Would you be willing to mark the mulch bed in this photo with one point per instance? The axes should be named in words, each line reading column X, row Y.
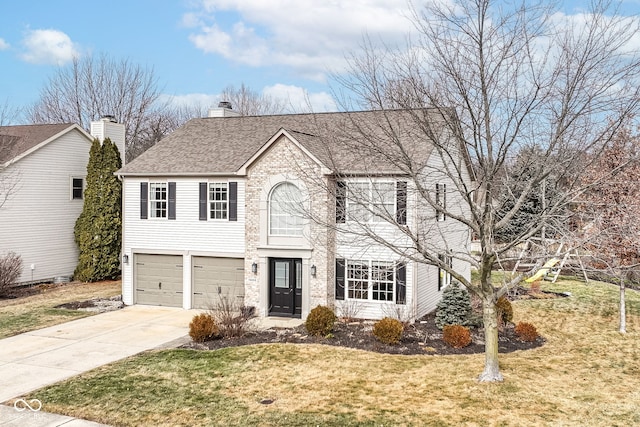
column 29, row 290
column 423, row 337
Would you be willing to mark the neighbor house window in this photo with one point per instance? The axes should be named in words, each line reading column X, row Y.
column 285, row 210
column 218, row 200
column 441, row 201
column 444, row 277
column 158, row 199
column 77, row 188
column 371, row 201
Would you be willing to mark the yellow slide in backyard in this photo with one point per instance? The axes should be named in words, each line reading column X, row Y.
column 543, row 271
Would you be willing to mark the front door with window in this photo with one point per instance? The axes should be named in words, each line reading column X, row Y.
column 285, row 287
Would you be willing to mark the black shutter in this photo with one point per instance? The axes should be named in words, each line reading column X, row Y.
column 203, row 201
column 233, row 201
column 340, row 281
column 341, row 202
column 172, row 200
column 401, row 283
column 441, row 273
column 401, row 202
column 144, row 200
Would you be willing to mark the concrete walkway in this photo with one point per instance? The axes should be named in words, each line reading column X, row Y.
column 43, row 357
column 39, row 358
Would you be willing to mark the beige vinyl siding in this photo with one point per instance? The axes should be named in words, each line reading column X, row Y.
column 186, row 234
column 38, row 221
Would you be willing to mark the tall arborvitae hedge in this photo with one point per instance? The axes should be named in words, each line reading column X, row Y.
column 98, row 230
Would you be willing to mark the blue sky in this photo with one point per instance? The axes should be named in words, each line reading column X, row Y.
column 285, row 48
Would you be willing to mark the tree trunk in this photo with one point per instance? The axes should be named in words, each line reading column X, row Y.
column 491, row 371
column 623, row 308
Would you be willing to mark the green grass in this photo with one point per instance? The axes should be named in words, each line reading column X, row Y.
column 38, row 311
column 586, row 374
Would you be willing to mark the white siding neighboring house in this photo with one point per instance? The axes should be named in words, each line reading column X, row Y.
column 47, row 166
column 210, row 211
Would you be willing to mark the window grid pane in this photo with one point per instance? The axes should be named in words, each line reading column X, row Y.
column 76, row 188
column 285, row 211
column 158, row 199
column 358, row 280
column 218, row 200
column 384, row 201
column 382, row 278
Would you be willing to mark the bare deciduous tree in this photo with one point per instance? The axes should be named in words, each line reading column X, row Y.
column 248, row 102
column 498, row 78
column 8, row 179
column 610, row 213
column 91, row 88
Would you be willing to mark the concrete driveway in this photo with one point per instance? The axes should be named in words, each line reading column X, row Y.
column 35, row 359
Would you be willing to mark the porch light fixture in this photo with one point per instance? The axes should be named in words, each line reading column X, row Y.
column 125, row 259
column 254, row 268
column 313, row 270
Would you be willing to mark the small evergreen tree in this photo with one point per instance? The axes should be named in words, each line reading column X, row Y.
column 98, row 230
column 455, row 306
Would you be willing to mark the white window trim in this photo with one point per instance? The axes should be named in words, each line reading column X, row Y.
column 442, row 195
column 370, row 282
column 444, row 277
column 84, row 185
column 269, row 212
column 370, row 207
column 151, row 201
column 210, row 200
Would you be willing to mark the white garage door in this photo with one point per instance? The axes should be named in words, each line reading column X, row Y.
column 217, row 277
column 158, row 280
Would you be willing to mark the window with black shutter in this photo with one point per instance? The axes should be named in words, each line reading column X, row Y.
column 340, row 279
column 401, row 202
column 144, row 200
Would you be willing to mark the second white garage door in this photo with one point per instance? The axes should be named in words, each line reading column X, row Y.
column 214, row 278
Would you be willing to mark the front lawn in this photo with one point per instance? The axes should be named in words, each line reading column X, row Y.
column 585, row 374
column 37, row 311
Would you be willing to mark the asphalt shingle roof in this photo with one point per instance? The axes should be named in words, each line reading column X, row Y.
column 222, row 145
column 15, row 140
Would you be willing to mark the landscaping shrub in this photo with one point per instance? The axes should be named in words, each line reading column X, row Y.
column 457, row 336
column 203, row 327
column 455, row 306
column 505, row 310
column 233, row 319
column 320, row 321
column 10, row 269
column 526, row 332
column 388, row 330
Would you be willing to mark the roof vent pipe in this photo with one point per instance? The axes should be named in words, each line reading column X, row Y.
column 109, row 117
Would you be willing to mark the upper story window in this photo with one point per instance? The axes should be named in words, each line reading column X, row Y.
column 285, row 210
column 218, row 200
column 383, row 201
column 77, row 188
column 158, row 199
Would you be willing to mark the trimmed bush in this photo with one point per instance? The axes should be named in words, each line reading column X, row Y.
column 388, row 330
column 457, row 336
column 320, row 321
column 526, row 332
column 455, row 306
column 203, row 327
column 505, row 310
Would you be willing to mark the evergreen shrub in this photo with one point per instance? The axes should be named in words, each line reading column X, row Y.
column 455, row 306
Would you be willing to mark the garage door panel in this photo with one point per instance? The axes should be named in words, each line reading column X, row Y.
column 158, row 280
column 217, row 277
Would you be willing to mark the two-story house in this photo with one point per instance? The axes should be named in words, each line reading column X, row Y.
column 268, row 210
column 42, row 180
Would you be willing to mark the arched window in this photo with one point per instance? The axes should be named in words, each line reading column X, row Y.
column 285, row 210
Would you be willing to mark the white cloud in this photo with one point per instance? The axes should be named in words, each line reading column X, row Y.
column 297, row 99
column 300, row 100
column 3, row 44
column 48, row 47
column 309, row 36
